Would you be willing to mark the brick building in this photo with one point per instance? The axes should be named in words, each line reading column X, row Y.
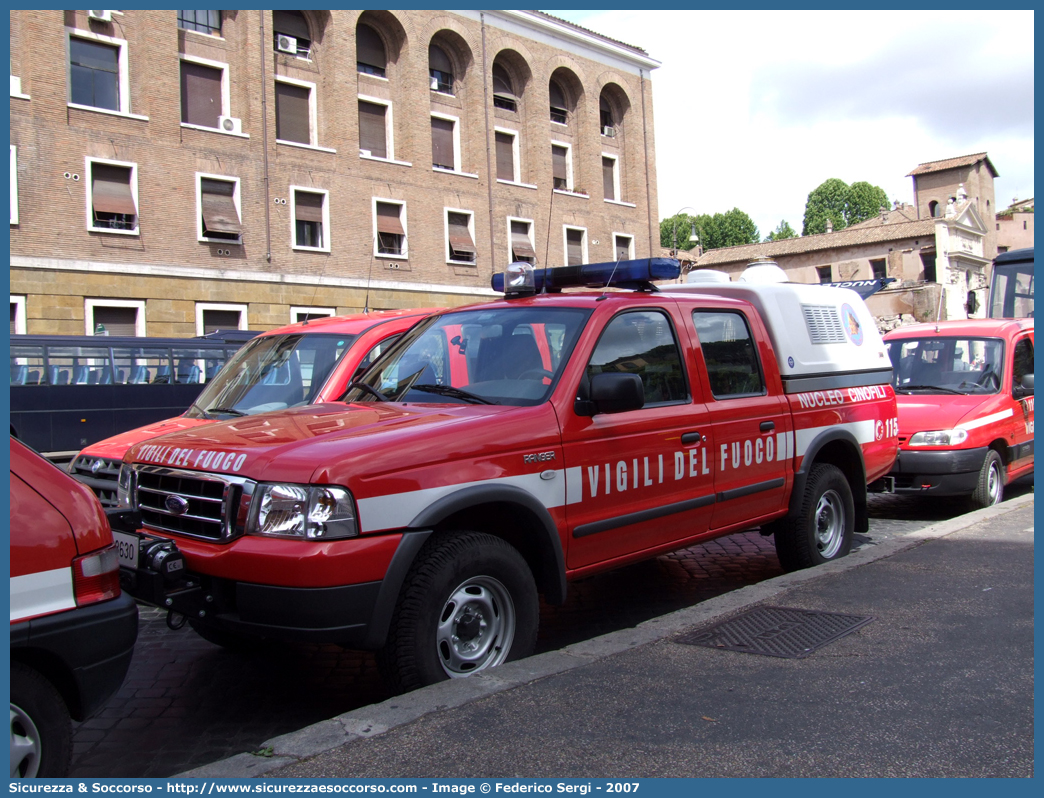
column 177, row 171
column 1015, row 225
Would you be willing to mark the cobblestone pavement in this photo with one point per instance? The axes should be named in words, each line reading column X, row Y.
column 187, row 702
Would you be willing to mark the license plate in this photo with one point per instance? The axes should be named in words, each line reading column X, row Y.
column 126, row 548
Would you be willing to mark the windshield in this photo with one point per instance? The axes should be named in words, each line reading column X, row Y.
column 1011, row 296
column 270, row 373
column 507, row 356
column 946, row 365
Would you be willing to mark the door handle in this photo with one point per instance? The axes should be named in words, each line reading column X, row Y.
column 768, row 426
column 691, row 437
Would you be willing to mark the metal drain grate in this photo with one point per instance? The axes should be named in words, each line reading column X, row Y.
column 777, row 631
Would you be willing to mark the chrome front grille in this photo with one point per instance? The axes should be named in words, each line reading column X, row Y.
column 194, row 504
column 100, row 474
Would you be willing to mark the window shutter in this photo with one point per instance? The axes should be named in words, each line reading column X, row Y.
column 574, row 247
column 608, row 181
column 369, row 47
column 308, row 207
column 623, row 248
column 110, row 189
column 388, row 219
column 214, row 320
column 200, row 94
column 292, row 23
column 459, row 234
column 442, row 143
column 502, row 82
column 505, row 156
column 555, row 95
column 292, row 113
column 520, row 243
column 117, row 321
column 219, row 207
column 558, row 166
column 372, row 131
column 437, row 59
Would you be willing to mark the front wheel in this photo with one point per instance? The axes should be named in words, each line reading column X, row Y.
column 990, row 488
column 468, row 603
column 41, row 731
column 822, row 526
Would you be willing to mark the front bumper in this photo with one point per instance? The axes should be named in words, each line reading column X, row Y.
column 950, row 472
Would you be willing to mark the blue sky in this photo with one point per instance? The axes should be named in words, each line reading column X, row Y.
column 754, row 109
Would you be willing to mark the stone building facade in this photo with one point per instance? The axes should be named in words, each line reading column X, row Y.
column 1015, row 226
column 173, row 172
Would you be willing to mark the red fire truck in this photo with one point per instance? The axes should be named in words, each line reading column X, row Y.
column 499, row 451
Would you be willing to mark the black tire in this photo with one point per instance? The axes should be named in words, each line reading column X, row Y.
column 41, row 730
column 464, row 590
column 990, row 488
column 243, row 644
column 819, row 528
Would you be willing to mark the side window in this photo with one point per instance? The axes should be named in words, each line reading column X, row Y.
column 379, row 349
column 1023, row 361
column 730, row 354
column 642, row 342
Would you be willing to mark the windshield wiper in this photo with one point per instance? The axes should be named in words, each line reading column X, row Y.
column 365, row 388
column 456, row 393
column 904, row 388
column 229, row 410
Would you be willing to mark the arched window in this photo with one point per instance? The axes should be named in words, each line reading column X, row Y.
column 605, row 117
column 557, row 97
column 503, row 90
column 933, row 209
column 370, row 56
column 291, row 33
column 440, row 70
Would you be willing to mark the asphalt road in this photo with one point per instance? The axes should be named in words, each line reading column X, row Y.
column 186, row 702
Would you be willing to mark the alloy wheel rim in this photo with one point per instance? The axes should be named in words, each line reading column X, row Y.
column 26, row 746
column 476, row 627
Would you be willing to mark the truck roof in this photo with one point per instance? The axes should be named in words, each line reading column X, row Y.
column 990, row 328
column 354, row 323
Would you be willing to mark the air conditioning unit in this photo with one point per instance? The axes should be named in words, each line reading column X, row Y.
column 230, row 124
column 609, row 131
column 286, row 44
column 101, row 16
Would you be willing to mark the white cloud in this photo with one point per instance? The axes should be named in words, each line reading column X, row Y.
column 754, row 109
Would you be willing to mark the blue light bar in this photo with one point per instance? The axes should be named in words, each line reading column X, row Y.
column 638, row 273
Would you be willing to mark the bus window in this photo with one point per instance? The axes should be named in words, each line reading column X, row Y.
column 86, row 365
column 1011, row 289
column 28, row 366
column 140, row 366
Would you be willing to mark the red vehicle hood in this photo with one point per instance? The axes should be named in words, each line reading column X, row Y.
column 308, row 444
column 115, row 447
column 923, row 412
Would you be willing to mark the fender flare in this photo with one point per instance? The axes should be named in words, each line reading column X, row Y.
column 809, row 457
column 420, row 528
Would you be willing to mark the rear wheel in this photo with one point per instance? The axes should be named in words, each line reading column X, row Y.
column 990, row 489
column 468, row 603
column 41, row 731
column 822, row 526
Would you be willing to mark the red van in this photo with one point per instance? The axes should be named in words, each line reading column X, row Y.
column 72, row 629
column 965, row 396
column 304, row 363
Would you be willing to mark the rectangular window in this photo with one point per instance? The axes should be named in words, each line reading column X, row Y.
column 218, row 205
column 113, row 196
column 460, row 240
column 211, row 317
column 642, row 342
column 290, row 33
column 824, row 273
column 373, row 129
column 623, row 247
column 94, row 73
column 294, row 112
column 560, row 167
column 201, row 21
column 730, row 354
column 443, row 149
column 391, row 229
column 878, row 268
column 311, row 219
column 201, row 94
column 17, row 315
column 521, row 242
column 14, row 184
column 506, row 163
column 575, row 246
column 297, row 315
column 928, row 262
column 114, row 317
column 609, row 178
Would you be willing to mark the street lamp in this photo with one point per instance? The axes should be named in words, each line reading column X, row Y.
column 693, row 238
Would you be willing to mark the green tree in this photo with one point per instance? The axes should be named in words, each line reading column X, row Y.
column 842, row 204
column 728, row 229
column 683, row 223
column 784, row 230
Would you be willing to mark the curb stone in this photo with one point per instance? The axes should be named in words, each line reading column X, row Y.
column 375, row 719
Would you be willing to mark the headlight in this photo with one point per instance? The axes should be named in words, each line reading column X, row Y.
column 309, row 512
column 945, row 437
column 125, row 488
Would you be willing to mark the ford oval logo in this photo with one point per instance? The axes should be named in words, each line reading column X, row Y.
column 176, row 505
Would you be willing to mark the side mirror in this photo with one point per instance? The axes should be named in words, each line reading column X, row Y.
column 1026, row 388
column 615, row 392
